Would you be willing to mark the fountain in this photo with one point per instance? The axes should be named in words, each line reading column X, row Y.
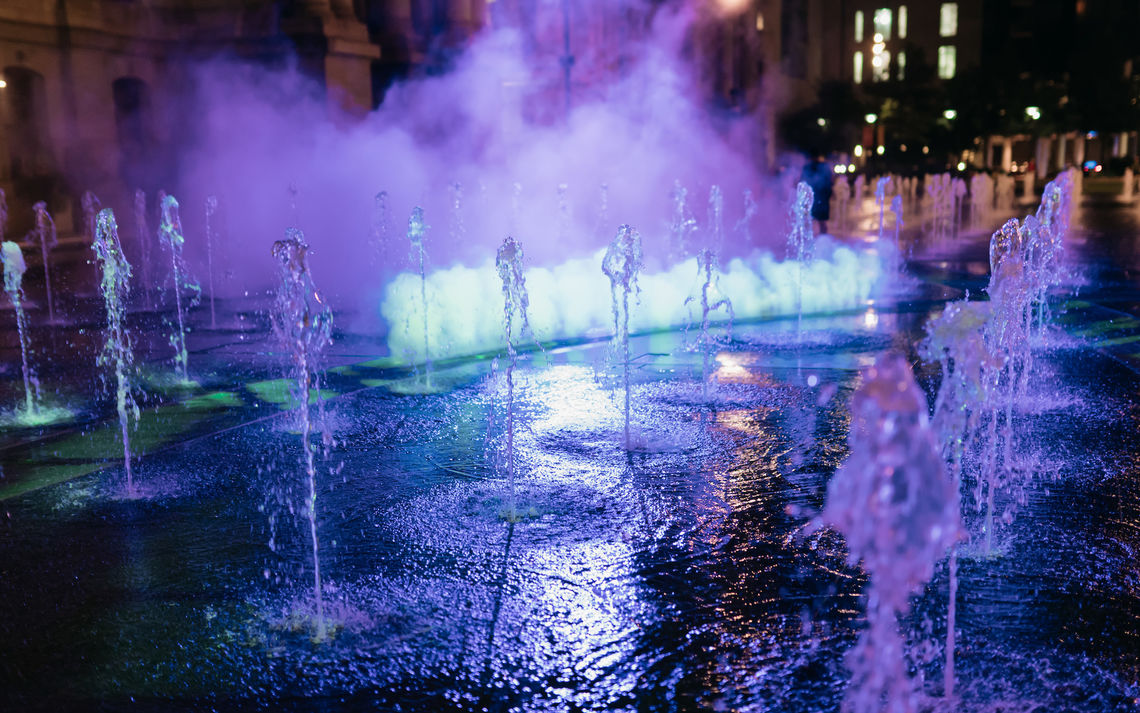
column 711, row 299
column 417, row 230
column 683, row 226
column 508, row 261
column 621, row 264
column 211, row 209
column 118, row 349
column 170, row 232
column 44, row 234
column 303, row 325
column 898, row 511
column 801, row 241
column 743, row 227
column 380, row 236
column 14, row 268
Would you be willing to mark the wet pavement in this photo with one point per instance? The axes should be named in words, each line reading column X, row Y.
column 677, row 575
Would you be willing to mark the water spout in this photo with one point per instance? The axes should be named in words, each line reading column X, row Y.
column 303, row 324
column 117, row 354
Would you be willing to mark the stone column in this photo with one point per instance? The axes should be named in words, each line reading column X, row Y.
column 1041, row 160
column 1079, row 150
column 1061, row 146
column 1006, row 154
column 989, row 161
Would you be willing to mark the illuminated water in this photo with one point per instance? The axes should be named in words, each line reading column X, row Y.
column 622, row 265
column 509, row 262
column 677, row 575
column 171, row 235
column 44, row 234
column 118, row 350
column 14, row 269
column 303, row 325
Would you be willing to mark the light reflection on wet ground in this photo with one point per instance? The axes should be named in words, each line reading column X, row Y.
column 677, row 576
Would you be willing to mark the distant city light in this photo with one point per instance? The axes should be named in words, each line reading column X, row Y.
column 926, row 149
column 961, row 165
column 1091, row 135
column 903, row 147
column 840, row 168
column 733, row 5
column 851, row 168
column 950, row 114
column 858, row 151
column 821, row 121
column 881, row 150
column 1033, row 112
column 871, row 118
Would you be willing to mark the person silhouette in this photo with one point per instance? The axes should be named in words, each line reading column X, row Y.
column 817, row 174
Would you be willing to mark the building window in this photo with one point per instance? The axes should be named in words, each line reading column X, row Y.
column 902, row 22
column 947, row 61
column 881, row 66
column 858, row 67
column 858, row 25
column 883, row 22
column 948, row 19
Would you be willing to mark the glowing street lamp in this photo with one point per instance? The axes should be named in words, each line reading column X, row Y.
column 950, row 114
column 1033, row 112
column 871, row 118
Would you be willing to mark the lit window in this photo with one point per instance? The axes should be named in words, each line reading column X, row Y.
column 858, row 67
column 947, row 61
column 902, row 22
column 759, row 22
column 858, row 25
column 883, row 22
column 948, row 19
column 881, row 65
column 902, row 63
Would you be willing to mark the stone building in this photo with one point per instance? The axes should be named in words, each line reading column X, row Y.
column 95, row 93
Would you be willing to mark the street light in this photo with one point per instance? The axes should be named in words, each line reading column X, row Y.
column 1033, row 112
column 950, row 114
column 871, row 118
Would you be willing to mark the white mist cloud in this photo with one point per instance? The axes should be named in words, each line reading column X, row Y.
column 636, row 130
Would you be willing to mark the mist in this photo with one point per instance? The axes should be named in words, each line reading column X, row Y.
column 487, row 150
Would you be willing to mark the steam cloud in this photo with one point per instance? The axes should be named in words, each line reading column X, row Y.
column 637, row 132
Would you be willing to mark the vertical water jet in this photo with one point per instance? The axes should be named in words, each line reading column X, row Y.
column 303, row 324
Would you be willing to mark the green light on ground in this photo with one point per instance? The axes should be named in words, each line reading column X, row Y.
column 277, row 392
column 214, row 400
